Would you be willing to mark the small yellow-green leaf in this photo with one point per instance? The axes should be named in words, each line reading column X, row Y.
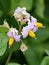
column 13, row 64
column 45, row 61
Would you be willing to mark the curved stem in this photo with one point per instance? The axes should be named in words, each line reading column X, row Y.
column 8, row 59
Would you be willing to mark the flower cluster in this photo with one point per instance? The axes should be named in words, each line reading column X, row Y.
column 32, row 27
column 22, row 16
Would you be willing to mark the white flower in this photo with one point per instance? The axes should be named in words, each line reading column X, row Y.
column 13, row 30
column 14, row 34
column 20, row 14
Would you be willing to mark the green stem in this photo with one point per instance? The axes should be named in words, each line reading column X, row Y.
column 20, row 28
column 9, row 57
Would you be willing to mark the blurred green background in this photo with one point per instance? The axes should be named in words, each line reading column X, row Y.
column 36, row 52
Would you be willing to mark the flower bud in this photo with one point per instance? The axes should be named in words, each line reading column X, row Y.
column 23, row 47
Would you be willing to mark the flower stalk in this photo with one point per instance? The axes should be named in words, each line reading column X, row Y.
column 9, row 57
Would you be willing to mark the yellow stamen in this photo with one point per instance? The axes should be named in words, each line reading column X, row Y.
column 11, row 41
column 39, row 24
column 32, row 34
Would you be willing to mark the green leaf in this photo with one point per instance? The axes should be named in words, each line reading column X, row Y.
column 3, row 43
column 39, row 8
column 46, row 9
column 26, row 3
column 3, row 30
column 45, row 61
column 47, row 52
column 42, row 34
column 30, row 54
column 13, row 64
column 16, row 46
column 21, row 3
column 14, row 5
column 5, row 5
column 11, row 21
column 31, row 57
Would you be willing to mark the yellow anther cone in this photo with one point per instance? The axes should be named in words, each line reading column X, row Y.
column 11, row 41
column 32, row 34
column 39, row 24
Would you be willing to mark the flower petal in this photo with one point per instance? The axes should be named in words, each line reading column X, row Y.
column 17, row 38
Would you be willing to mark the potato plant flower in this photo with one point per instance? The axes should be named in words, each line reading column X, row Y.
column 32, row 25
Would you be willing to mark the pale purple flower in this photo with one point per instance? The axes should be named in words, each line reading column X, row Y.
column 33, row 19
column 25, row 32
column 14, row 33
column 18, row 10
column 31, row 26
column 10, row 34
column 21, row 14
column 35, row 29
column 17, row 38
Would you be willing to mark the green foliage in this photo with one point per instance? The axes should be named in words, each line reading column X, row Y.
column 45, row 61
column 3, row 43
column 36, row 48
column 26, row 3
column 13, row 64
column 40, row 8
column 21, row 3
column 47, row 52
column 3, row 30
column 5, row 5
